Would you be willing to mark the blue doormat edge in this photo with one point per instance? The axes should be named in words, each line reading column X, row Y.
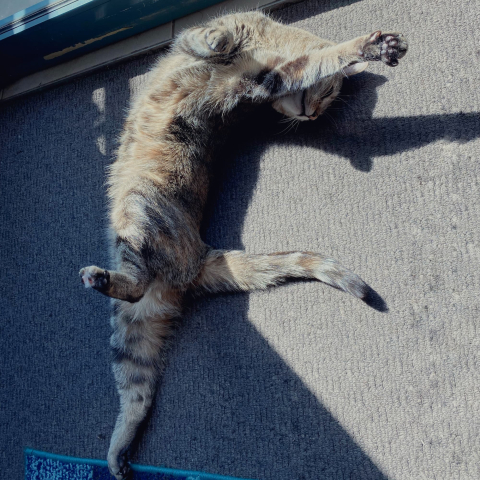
column 50, row 466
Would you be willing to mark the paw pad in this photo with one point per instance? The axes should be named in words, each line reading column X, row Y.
column 387, row 47
column 219, row 41
column 94, row 277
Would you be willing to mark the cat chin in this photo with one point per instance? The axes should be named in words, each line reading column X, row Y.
column 303, row 118
column 294, row 106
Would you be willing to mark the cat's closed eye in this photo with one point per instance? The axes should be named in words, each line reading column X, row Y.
column 328, row 93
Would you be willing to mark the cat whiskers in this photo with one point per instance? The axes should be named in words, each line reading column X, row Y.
column 332, row 119
column 286, row 120
column 341, row 99
column 292, row 122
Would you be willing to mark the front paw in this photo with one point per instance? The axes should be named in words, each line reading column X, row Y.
column 119, row 467
column 387, row 47
column 94, row 277
column 219, row 40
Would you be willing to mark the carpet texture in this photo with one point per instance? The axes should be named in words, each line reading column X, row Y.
column 300, row 382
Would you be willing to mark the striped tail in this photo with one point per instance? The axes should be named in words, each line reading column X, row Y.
column 234, row 270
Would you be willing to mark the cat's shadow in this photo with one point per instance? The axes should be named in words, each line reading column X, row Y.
column 259, row 127
column 348, row 128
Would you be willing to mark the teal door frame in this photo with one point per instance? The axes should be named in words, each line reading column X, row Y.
column 54, row 31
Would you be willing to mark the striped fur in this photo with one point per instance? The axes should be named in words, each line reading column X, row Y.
column 158, row 185
column 230, row 271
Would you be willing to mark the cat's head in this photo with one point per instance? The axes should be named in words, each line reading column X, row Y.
column 310, row 103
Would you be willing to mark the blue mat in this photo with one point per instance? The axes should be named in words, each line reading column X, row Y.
column 48, row 466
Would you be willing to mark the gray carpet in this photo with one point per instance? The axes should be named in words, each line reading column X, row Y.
column 299, row 382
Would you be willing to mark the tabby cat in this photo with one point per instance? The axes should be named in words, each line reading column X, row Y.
column 158, row 185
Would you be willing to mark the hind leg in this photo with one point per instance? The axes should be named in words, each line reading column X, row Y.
column 140, row 334
column 114, row 284
column 129, row 282
column 136, row 377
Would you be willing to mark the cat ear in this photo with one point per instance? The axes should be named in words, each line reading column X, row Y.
column 355, row 68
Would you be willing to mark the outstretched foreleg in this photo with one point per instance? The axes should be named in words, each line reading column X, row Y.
column 269, row 73
column 308, row 69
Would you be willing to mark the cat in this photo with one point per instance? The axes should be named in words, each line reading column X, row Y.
column 158, row 185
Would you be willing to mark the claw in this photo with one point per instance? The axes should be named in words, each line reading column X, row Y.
column 118, row 465
column 375, row 36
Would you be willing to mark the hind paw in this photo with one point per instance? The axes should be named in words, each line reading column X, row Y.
column 219, row 40
column 94, row 277
column 119, row 467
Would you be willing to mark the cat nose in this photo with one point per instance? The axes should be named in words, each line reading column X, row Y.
column 312, row 117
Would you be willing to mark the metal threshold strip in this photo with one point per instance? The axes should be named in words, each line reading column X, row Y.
column 32, row 13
